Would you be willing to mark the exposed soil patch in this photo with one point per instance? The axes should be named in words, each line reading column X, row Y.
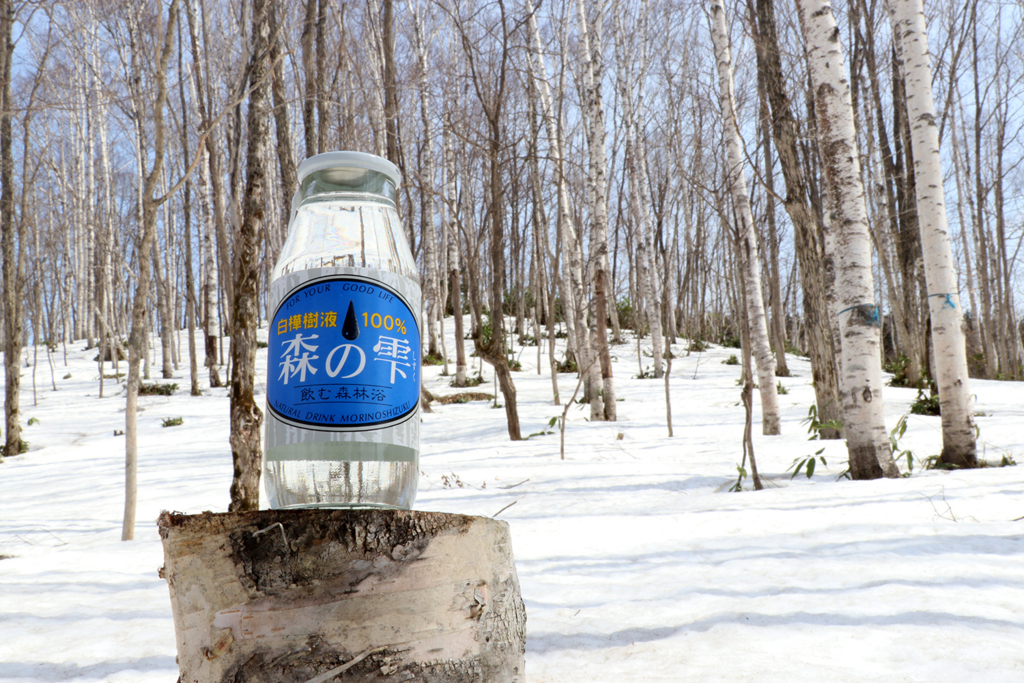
column 464, row 397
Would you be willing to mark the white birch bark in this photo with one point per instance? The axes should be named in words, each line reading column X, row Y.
column 454, row 266
column 597, row 184
column 435, row 597
column 89, row 200
column 639, row 192
column 572, row 283
column 830, row 263
column 78, row 191
column 246, row 415
column 748, row 243
column 11, row 254
column 211, row 325
column 442, row 255
column 648, row 257
column 964, row 221
column 103, row 274
column 211, row 193
column 136, row 337
column 162, row 275
column 949, row 349
column 860, row 331
column 671, row 286
column 545, row 295
column 376, row 93
column 148, row 219
column 111, row 343
column 429, row 239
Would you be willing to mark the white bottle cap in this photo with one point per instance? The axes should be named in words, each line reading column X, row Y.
column 357, row 161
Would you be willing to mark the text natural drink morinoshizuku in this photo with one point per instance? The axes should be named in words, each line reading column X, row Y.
column 343, row 372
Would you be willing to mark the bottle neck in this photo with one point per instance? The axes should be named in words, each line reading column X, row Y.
column 345, row 184
column 345, row 229
column 350, row 182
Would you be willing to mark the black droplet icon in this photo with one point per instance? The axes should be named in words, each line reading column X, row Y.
column 350, row 328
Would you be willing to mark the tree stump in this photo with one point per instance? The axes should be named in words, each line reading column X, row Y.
column 310, row 596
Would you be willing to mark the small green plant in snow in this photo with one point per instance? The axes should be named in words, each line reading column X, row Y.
column 925, row 405
column 815, row 426
column 808, row 464
column 898, row 454
column 738, row 486
column 157, row 389
column 698, row 345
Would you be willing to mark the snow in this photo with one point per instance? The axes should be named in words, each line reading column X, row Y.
column 634, row 558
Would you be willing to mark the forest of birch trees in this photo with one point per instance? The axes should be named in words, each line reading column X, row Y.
column 837, row 180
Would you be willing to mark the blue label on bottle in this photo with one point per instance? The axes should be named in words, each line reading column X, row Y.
column 343, row 354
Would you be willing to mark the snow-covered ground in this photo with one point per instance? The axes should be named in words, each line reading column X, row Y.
column 635, row 560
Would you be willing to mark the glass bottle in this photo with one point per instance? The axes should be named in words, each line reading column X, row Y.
column 343, row 372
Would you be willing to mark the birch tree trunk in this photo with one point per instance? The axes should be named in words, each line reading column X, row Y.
column 748, row 242
column 978, row 224
column 901, row 220
column 321, row 76
column 1010, row 348
column 12, row 275
column 311, row 596
column 246, row 416
column 110, row 342
column 860, row 330
column 572, row 281
column 647, row 253
column 544, row 307
column 492, row 96
column 950, row 355
column 282, row 129
column 164, row 306
column 747, row 396
column 190, row 297
column 471, row 258
column 387, row 49
column 209, row 177
column 963, row 191
column 137, row 339
column 454, row 267
column 545, row 297
column 375, row 59
column 310, row 94
column 85, row 168
column 778, row 319
column 647, row 280
column 427, row 236
column 590, row 45
column 208, row 313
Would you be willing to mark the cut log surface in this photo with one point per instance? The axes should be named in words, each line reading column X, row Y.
column 310, row 596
